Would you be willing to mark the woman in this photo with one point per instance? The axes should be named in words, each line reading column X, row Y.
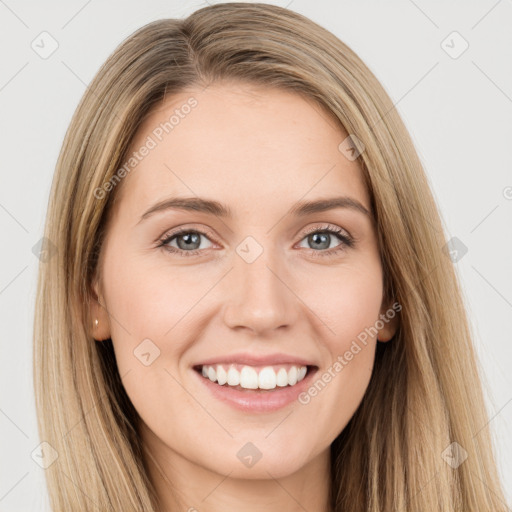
column 252, row 372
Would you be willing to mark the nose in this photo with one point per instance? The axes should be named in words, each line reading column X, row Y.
column 259, row 298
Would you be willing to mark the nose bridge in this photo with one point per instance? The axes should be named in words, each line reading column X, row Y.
column 258, row 297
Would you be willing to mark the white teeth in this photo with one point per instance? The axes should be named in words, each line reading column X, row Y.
column 268, row 377
column 222, row 376
column 233, row 377
column 282, row 377
column 292, row 375
column 248, row 378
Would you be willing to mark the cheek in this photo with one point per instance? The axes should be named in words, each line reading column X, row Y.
column 148, row 313
column 146, row 306
column 148, row 299
column 349, row 306
column 347, row 301
column 337, row 391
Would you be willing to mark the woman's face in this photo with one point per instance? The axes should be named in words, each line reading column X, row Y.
column 265, row 286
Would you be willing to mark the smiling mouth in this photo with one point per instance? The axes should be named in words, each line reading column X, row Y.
column 255, row 379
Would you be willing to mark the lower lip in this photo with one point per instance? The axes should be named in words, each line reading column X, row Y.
column 256, row 400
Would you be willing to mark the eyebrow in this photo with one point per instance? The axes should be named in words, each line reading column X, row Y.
column 300, row 209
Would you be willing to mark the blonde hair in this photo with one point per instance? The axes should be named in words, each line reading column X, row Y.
column 425, row 392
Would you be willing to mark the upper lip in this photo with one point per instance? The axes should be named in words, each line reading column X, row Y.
column 256, row 360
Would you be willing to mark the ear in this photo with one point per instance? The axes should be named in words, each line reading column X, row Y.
column 389, row 317
column 101, row 330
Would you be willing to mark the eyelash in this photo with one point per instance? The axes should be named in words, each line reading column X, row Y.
column 346, row 241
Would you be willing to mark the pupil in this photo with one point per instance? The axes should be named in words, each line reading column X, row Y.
column 188, row 236
column 325, row 239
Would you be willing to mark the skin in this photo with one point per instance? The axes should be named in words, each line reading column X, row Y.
column 259, row 151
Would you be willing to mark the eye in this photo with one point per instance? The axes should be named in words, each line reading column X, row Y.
column 186, row 239
column 321, row 238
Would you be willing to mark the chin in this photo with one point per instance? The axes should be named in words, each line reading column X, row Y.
column 256, row 461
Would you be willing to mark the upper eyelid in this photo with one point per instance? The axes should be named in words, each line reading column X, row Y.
column 181, row 230
column 326, row 227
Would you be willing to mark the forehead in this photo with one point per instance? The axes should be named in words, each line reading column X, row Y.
column 240, row 144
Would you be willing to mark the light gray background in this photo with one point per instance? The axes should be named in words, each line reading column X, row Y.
column 458, row 110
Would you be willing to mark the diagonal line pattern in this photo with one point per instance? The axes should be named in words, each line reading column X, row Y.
column 492, row 81
column 424, row 14
column 492, row 8
column 421, row 490
column 76, row 14
column 13, row 217
column 13, row 423
column 507, row 507
column 12, row 78
column 14, row 486
column 493, row 287
column 492, row 211
column 13, row 13
column 13, row 279
column 216, row 487
column 110, row 315
column 286, row 491
column 280, row 423
column 81, row 490
column 506, row 403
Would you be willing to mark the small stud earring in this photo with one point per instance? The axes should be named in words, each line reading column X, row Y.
column 96, row 322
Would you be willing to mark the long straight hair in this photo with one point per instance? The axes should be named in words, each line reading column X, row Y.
column 425, row 392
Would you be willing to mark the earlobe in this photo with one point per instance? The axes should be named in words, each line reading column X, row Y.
column 100, row 328
column 384, row 337
column 388, row 322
